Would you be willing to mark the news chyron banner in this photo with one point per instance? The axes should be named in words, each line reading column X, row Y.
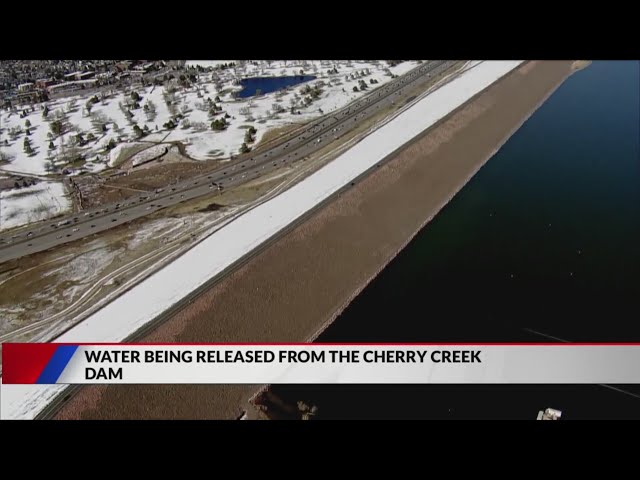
column 53, row 363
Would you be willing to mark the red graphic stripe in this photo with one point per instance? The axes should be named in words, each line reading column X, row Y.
column 24, row 362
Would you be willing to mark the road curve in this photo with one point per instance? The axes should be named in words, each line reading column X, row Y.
column 238, row 171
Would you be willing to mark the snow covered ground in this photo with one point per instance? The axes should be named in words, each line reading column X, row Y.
column 113, row 117
column 114, row 153
column 51, row 151
column 260, row 112
column 106, row 127
column 149, row 154
column 146, row 300
column 32, row 204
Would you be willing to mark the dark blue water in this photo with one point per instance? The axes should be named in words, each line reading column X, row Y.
column 270, row 84
column 545, row 238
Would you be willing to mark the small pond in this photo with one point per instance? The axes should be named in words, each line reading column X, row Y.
column 270, row 84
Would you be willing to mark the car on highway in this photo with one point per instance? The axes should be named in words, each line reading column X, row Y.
column 75, row 229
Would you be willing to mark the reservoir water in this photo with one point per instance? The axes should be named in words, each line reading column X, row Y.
column 543, row 243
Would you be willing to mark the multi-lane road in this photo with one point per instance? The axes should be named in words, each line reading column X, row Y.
column 238, row 171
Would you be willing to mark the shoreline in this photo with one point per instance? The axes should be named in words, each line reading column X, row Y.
column 108, row 402
column 328, row 322
column 463, row 183
column 428, row 220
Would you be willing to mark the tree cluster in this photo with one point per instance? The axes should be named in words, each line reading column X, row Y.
column 138, row 132
column 56, row 127
column 249, row 135
column 215, row 109
column 27, row 146
column 219, row 124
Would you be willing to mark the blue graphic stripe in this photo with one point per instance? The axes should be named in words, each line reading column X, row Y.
column 57, row 364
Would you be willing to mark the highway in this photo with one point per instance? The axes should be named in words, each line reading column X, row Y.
column 240, row 170
column 50, row 410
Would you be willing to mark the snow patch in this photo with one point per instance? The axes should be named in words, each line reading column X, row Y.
column 114, row 153
column 32, row 204
column 148, row 154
